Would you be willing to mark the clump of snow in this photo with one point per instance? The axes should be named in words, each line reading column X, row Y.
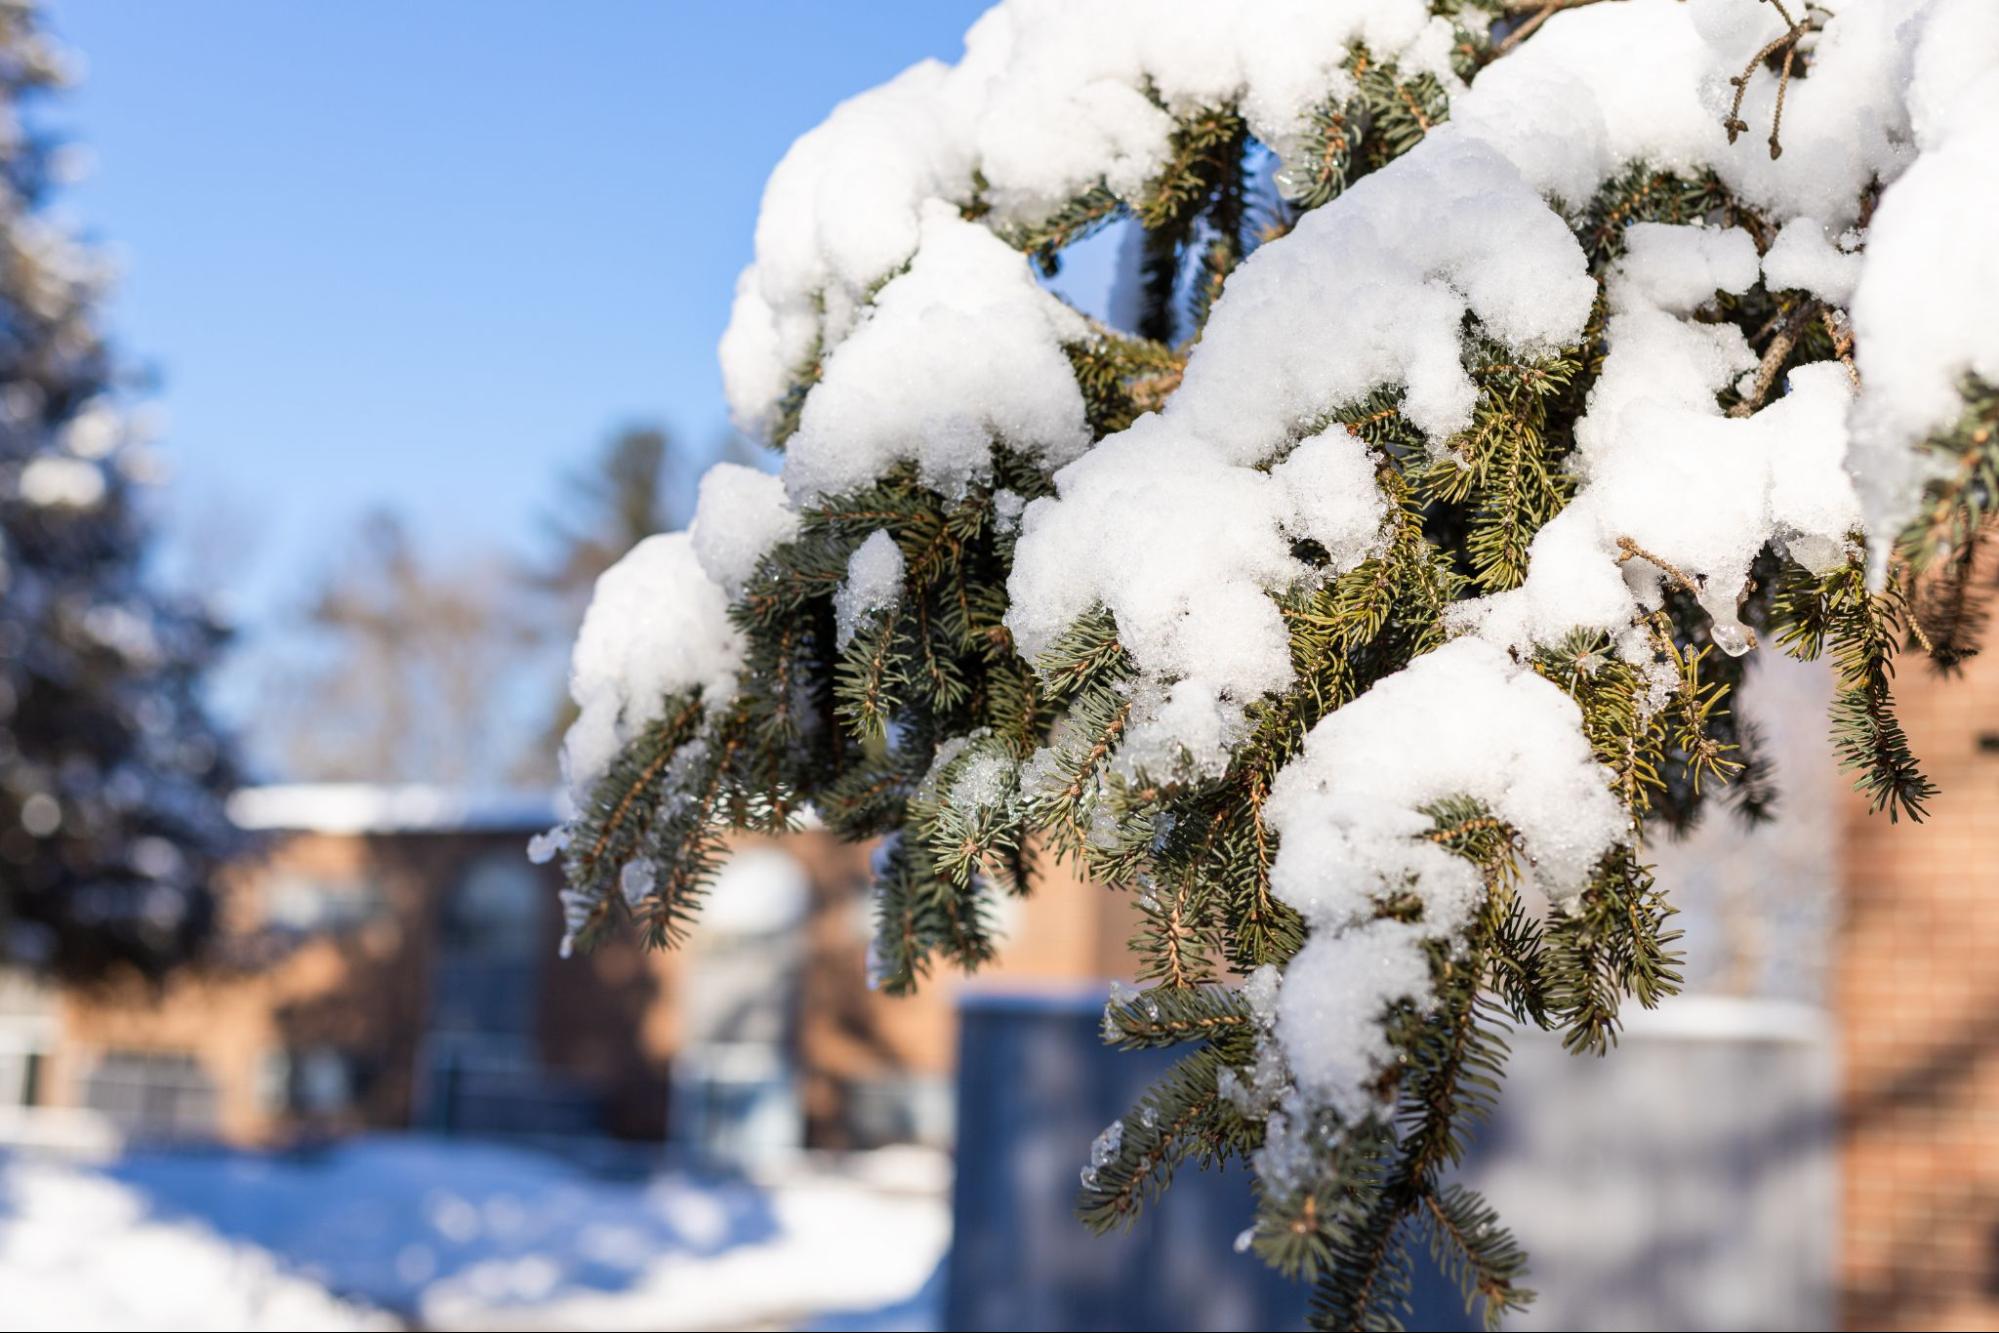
column 1466, row 721
column 1373, row 290
column 657, row 626
column 839, row 214
column 740, row 517
column 1189, row 728
column 982, row 781
column 1050, row 100
column 1596, row 89
column 873, row 584
column 1677, row 269
column 1336, row 992
column 946, row 754
column 578, row 906
column 1172, row 525
column 1922, row 308
column 1007, row 508
column 1184, row 548
column 1103, row 1151
column 1803, row 258
column 1329, row 481
column 963, row 349
column 1601, row 87
column 1665, row 470
column 1176, row 541
column 1068, row 107
column 1260, row 988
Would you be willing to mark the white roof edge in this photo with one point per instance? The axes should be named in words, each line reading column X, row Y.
column 367, row 807
column 1697, row 1017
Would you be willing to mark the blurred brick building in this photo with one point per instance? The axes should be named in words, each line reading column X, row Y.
column 391, row 963
column 1915, row 988
column 389, row 960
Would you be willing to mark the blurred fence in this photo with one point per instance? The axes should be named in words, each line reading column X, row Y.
column 1688, row 1181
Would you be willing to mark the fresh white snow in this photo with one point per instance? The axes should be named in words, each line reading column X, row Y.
column 739, row 516
column 657, row 625
column 874, row 582
column 79, row 1250
column 378, row 1231
column 960, row 351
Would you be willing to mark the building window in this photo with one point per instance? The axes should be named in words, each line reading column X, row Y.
column 20, row 1074
column 491, row 949
column 496, row 910
column 322, row 1082
column 310, row 904
column 27, row 1034
column 153, row 1094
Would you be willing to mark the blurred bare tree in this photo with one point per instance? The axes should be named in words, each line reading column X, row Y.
column 629, row 491
column 407, row 668
column 640, row 482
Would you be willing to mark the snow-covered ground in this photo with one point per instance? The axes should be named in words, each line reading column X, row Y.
column 385, row 1230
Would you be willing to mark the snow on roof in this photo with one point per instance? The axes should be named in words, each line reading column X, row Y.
column 365, row 807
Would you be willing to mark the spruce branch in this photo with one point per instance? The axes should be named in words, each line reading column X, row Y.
column 1165, row 1016
column 929, row 730
column 1181, row 1117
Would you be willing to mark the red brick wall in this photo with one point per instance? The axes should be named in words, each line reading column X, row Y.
column 1916, row 986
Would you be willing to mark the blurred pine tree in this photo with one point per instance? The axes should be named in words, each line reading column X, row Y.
column 111, row 774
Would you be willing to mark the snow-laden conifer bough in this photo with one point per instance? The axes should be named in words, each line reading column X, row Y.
column 1487, row 383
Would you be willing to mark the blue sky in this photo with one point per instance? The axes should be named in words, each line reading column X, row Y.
column 428, row 254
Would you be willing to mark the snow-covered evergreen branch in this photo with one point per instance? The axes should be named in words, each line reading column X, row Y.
column 1478, row 398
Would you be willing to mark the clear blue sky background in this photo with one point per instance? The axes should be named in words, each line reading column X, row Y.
column 429, row 254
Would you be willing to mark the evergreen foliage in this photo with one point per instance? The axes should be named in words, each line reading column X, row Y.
column 929, row 731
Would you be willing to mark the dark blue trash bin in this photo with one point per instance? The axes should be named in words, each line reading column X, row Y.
column 1035, row 1086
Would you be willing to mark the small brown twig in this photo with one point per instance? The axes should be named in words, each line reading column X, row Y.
column 1900, row 571
column 1787, row 42
column 1633, row 551
column 1922, row 635
column 1543, row 10
column 1783, row 86
column 1841, row 333
column 1774, row 356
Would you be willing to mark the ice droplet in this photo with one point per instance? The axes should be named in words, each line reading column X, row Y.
column 1104, row 1148
column 542, row 847
column 637, row 879
column 1731, row 636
